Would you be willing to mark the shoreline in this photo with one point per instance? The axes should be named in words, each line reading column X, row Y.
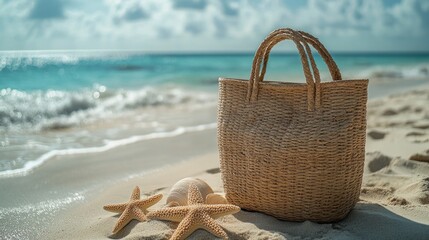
column 70, row 180
column 378, row 94
column 81, row 183
column 110, row 145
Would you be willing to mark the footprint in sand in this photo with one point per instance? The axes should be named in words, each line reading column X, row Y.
column 405, row 109
column 421, row 125
column 377, row 161
column 376, row 135
column 409, row 122
column 392, row 112
column 418, row 110
column 415, row 134
column 389, row 112
column 213, row 170
column 417, row 137
column 421, row 157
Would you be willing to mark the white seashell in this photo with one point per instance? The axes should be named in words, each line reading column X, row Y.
column 178, row 195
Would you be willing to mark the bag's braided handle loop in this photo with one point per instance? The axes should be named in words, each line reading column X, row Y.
column 323, row 52
column 332, row 66
column 264, row 49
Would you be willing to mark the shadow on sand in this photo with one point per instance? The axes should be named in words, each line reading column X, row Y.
column 365, row 221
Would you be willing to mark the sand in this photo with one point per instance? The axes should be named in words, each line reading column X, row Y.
column 394, row 201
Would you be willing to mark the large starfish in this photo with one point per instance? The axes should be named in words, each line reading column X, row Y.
column 133, row 209
column 195, row 215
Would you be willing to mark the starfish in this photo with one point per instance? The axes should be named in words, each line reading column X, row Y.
column 133, row 209
column 195, row 215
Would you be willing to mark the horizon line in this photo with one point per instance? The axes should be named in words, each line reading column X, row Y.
column 208, row 52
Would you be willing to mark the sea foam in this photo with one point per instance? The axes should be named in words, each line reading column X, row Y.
column 21, row 60
column 109, row 144
column 54, row 109
column 418, row 71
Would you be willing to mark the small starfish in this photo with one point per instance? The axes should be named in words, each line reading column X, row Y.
column 195, row 215
column 133, row 209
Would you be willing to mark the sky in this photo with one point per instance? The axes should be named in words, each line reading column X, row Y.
column 211, row 25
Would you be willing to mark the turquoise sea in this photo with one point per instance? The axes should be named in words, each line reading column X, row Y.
column 53, row 101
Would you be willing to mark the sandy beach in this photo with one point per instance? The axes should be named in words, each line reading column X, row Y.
column 394, row 201
column 108, row 108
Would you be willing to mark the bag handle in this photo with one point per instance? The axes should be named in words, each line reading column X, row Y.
column 323, row 52
column 264, row 48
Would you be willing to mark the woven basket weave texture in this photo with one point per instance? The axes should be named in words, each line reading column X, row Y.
column 294, row 151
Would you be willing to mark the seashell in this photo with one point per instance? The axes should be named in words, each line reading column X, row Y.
column 213, row 198
column 178, row 195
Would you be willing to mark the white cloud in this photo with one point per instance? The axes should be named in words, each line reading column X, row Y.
column 354, row 17
column 205, row 25
column 407, row 19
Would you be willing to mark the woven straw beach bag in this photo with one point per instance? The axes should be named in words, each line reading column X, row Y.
column 293, row 150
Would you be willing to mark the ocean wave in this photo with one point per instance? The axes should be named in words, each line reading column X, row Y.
column 52, row 109
column 402, row 72
column 109, row 144
column 14, row 61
